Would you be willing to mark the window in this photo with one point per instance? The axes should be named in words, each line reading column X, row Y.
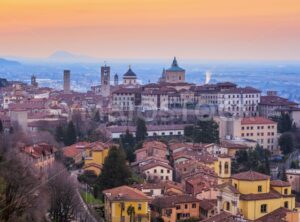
column 259, row 189
column 186, row 206
column 226, row 168
column 139, row 206
column 235, row 186
column 286, row 204
column 193, row 205
column 285, row 191
column 263, row 208
column 178, row 207
column 155, row 171
column 162, row 171
column 168, row 212
column 227, row 206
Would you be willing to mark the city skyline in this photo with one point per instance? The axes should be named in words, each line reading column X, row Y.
column 226, row 30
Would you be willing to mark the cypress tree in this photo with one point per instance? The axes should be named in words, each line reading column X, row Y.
column 141, row 130
column 70, row 135
column 115, row 171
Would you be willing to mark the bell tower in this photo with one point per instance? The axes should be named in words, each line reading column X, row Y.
column 105, row 81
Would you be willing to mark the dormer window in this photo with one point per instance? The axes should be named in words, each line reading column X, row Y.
column 259, row 188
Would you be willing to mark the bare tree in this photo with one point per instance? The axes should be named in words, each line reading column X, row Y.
column 64, row 198
column 22, row 194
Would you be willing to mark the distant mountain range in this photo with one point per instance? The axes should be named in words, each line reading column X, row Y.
column 67, row 57
column 6, row 62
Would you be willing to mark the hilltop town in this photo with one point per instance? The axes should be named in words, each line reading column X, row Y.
column 166, row 151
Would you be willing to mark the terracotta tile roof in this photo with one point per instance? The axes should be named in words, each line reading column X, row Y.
column 171, row 201
column 221, row 217
column 75, row 149
column 39, row 150
column 227, row 144
column 160, row 185
column 279, row 183
column 155, row 164
column 256, row 120
column 208, row 204
column 125, row 193
column 250, row 175
column 277, row 215
column 276, row 101
column 262, row 196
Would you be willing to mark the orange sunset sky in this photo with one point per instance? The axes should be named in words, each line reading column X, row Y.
column 191, row 29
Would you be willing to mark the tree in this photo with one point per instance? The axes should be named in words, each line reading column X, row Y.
column 285, row 122
column 70, row 135
column 64, row 199
column 59, row 133
column 97, row 117
column 204, row 132
column 256, row 160
column 1, row 126
column 115, row 171
column 188, row 131
column 283, row 175
column 286, row 143
column 141, row 130
column 22, row 193
column 128, row 144
column 131, row 213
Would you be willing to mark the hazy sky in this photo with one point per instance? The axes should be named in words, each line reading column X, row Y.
column 190, row 29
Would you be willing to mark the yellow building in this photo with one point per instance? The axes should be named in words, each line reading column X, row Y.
column 253, row 195
column 126, row 204
column 95, row 157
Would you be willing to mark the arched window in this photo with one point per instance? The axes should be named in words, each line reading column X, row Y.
column 227, row 206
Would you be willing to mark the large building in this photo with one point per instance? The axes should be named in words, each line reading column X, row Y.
column 252, row 195
column 258, row 129
column 272, row 104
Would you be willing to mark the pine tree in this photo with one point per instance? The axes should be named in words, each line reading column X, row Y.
column 97, row 117
column 70, row 135
column 206, row 132
column 59, row 133
column 115, row 171
column 286, row 142
column 141, row 130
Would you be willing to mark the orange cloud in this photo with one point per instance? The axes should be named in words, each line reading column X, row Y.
column 152, row 28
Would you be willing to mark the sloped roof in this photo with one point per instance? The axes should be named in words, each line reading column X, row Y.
column 250, row 176
column 125, row 193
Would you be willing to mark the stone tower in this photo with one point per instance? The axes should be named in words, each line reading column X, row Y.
column 67, row 82
column 116, row 79
column 105, row 81
column 33, row 81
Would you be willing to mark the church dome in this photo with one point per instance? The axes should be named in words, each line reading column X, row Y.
column 174, row 67
column 130, row 73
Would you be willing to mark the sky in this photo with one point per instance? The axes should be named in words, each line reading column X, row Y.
column 190, row 29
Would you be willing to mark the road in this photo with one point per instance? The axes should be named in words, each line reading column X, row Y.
column 85, row 215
